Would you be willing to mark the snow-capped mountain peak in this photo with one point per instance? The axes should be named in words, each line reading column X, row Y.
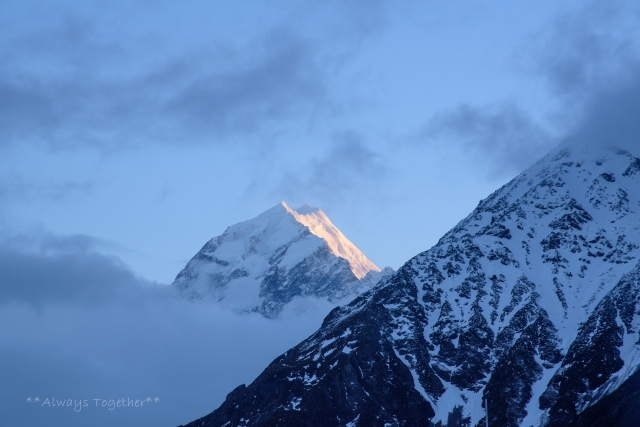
column 263, row 263
column 320, row 225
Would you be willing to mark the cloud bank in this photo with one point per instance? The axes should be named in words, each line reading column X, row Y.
column 83, row 327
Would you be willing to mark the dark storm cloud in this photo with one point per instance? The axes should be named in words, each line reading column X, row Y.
column 505, row 134
column 348, row 166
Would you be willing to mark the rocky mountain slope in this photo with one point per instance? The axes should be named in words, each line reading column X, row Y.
column 530, row 304
column 264, row 263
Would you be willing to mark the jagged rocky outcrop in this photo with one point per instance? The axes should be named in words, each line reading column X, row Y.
column 529, row 304
column 264, row 263
column 348, row 371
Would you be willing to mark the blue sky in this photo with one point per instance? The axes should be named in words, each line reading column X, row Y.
column 132, row 132
column 151, row 126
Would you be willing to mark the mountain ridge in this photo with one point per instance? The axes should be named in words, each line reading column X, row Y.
column 264, row 263
column 504, row 309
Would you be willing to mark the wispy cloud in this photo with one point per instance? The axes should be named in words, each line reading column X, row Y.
column 589, row 60
column 67, row 82
column 504, row 135
column 282, row 79
column 14, row 187
column 349, row 167
column 66, row 98
column 25, row 110
column 585, row 49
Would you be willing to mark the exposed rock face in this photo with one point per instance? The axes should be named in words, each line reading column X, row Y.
column 531, row 304
column 264, row 263
column 348, row 371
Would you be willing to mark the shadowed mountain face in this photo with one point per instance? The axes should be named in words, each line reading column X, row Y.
column 531, row 304
column 264, row 263
column 618, row 409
